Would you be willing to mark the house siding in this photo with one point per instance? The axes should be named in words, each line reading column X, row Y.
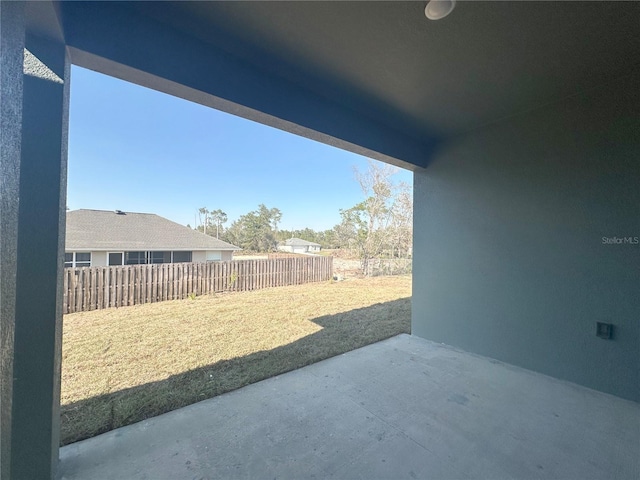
column 98, row 259
column 200, row 256
column 510, row 260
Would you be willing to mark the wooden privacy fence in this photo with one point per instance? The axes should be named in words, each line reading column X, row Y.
column 93, row 288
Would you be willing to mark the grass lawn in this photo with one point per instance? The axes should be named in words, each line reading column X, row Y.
column 123, row 365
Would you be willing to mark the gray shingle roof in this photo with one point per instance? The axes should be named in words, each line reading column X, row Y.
column 298, row 242
column 99, row 230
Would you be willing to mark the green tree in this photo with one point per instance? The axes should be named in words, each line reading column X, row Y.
column 218, row 218
column 256, row 230
column 203, row 217
column 208, row 219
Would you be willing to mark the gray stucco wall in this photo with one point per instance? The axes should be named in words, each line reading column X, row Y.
column 11, row 88
column 509, row 255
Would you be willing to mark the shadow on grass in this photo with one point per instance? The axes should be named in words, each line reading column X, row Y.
column 340, row 333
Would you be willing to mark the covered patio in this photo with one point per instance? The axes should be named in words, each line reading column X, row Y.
column 520, row 122
column 403, row 408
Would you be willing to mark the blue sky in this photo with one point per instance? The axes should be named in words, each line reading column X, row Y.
column 138, row 150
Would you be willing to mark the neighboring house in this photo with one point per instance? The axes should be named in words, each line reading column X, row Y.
column 297, row 245
column 100, row 238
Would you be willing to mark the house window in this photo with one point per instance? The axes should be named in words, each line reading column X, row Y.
column 77, row 259
column 83, row 259
column 135, row 258
column 144, row 258
column 181, row 257
column 115, row 258
column 159, row 257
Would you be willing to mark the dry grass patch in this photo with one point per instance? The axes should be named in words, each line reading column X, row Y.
column 124, row 365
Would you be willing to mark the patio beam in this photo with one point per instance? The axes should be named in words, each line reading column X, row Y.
column 116, row 40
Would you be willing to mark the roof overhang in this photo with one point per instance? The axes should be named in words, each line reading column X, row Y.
column 376, row 78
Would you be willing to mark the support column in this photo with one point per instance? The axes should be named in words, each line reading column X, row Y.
column 32, row 225
column 11, row 55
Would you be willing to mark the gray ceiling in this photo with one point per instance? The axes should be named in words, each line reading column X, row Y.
column 486, row 61
column 386, row 61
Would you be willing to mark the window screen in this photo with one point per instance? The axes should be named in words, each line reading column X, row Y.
column 181, row 257
column 159, row 257
column 135, row 258
column 115, row 258
column 77, row 259
column 83, row 259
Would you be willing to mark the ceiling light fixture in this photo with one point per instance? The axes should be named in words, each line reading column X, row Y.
column 438, row 9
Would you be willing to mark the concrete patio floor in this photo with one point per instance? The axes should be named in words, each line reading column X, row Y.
column 401, row 408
